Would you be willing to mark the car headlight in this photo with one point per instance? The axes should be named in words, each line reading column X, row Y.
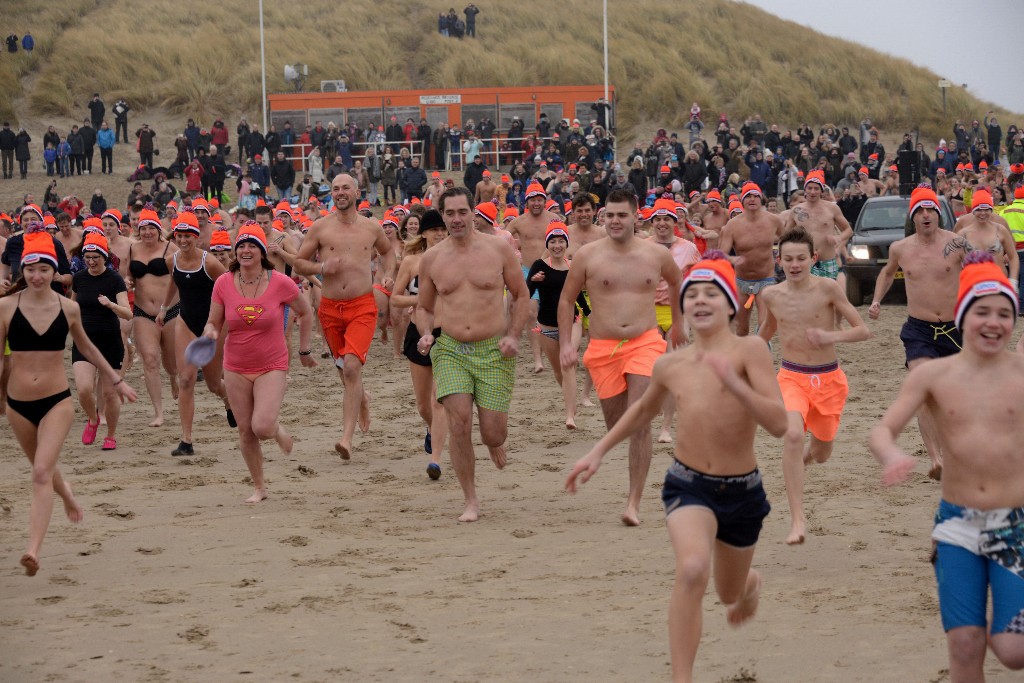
column 859, row 252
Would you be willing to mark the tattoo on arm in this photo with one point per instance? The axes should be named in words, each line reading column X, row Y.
column 958, row 243
column 800, row 214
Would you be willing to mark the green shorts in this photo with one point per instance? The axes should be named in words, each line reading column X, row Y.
column 828, row 268
column 474, row 368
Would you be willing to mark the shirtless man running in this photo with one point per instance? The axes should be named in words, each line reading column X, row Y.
column 752, row 234
column 474, row 359
column 715, row 218
column 814, row 388
column 346, row 243
column 486, row 189
column 820, row 219
column 931, row 259
column 621, row 274
column 530, row 229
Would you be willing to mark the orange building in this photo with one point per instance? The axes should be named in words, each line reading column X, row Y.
column 439, row 106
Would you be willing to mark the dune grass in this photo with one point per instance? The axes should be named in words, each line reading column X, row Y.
column 201, row 58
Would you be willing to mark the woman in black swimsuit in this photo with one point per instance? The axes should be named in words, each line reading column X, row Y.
column 103, row 298
column 39, row 407
column 148, row 272
column 432, row 230
column 193, row 272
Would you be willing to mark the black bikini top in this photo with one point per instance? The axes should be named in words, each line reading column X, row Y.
column 157, row 266
column 21, row 336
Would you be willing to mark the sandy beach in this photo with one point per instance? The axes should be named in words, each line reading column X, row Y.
column 358, row 571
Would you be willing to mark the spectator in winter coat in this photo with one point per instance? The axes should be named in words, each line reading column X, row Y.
column 282, row 174
column 260, row 174
column 88, row 134
column 415, row 178
column 146, row 137
column 98, row 203
column 77, row 151
column 63, row 156
column 255, row 144
column 51, row 137
column 194, row 177
column 204, row 141
column 273, row 142
column 191, row 134
column 242, row 135
column 219, row 134
column 105, row 141
column 96, row 110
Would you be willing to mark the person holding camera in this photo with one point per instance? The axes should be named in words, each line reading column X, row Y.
column 146, row 147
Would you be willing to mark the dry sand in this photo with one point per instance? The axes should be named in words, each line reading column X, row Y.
column 358, row 571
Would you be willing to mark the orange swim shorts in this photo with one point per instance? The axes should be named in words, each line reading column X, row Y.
column 818, row 393
column 610, row 360
column 349, row 325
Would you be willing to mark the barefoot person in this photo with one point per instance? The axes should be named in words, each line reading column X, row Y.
column 530, row 230
column 547, row 276
column 751, row 234
column 988, row 232
column 346, row 243
column 582, row 232
column 621, row 274
column 102, row 298
column 193, row 275
column 462, row 284
column 39, row 408
column 714, row 500
column 147, row 269
column 803, row 309
column 431, row 231
column 979, row 526
column 249, row 302
column 931, row 260
column 821, row 219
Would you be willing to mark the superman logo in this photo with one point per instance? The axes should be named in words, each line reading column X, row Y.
column 250, row 313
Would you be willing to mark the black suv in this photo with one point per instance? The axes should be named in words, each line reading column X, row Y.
column 881, row 222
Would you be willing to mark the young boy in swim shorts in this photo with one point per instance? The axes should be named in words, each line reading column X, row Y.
column 714, row 500
column 979, row 525
column 803, row 309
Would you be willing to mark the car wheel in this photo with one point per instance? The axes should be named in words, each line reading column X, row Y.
column 853, row 291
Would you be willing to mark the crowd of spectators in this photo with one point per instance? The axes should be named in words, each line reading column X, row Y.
column 28, row 43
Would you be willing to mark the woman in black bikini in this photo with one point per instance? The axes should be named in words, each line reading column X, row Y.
column 547, row 277
column 39, row 407
column 431, row 231
column 147, row 270
column 103, row 298
column 192, row 278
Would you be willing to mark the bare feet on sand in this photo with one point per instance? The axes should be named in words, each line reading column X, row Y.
column 258, row 496
column 586, row 402
column 471, row 513
column 538, row 368
column 935, row 472
column 364, row 413
column 570, row 423
column 665, row 436
column 797, row 532
column 284, row 440
column 344, row 451
column 157, row 421
column 746, row 608
column 71, row 507
column 498, row 456
column 631, row 517
column 30, row 564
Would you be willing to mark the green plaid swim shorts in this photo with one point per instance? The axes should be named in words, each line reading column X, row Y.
column 475, row 368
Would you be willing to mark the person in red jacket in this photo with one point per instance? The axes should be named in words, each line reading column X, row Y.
column 72, row 206
column 219, row 134
column 194, row 177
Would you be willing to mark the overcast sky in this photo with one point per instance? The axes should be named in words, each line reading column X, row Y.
column 942, row 35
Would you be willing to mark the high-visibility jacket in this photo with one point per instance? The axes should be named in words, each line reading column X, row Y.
column 1014, row 215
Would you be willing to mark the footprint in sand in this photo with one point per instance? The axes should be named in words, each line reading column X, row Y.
column 297, row 541
column 149, row 551
column 50, row 600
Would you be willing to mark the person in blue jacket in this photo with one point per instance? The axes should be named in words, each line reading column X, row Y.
column 105, row 140
column 28, row 43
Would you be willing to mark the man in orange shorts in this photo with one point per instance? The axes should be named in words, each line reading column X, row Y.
column 346, row 242
column 804, row 309
column 621, row 275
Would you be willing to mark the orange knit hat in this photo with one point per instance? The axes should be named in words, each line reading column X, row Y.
column 149, row 217
column 815, row 176
column 511, row 212
column 714, row 196
column 39, row 249
column 95, row 242
column 186, row 221
column 714, row 267
column 253, row 233
column 201, row 204
column 556, row 229
column 665, row 207
column 92, row 224
column 220, row 240
column 981, row 277
column 750, row 189
column 535, row 190
column 981, row 199
column 487, row 211
column 923, row 198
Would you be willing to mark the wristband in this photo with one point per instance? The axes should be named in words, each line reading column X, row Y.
column 117, row 382
column 305, row 353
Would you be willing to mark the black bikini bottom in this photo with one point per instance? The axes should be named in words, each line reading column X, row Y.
column 35, row 411
column 171, row 314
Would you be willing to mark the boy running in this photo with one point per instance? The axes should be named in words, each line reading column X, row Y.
column 803, row 308
column 979, row 526
column 714, row 500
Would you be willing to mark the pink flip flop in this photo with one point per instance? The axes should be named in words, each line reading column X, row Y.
column 89, row 433
column 109, row 443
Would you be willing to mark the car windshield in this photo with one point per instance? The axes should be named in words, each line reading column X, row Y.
column 885, row 216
